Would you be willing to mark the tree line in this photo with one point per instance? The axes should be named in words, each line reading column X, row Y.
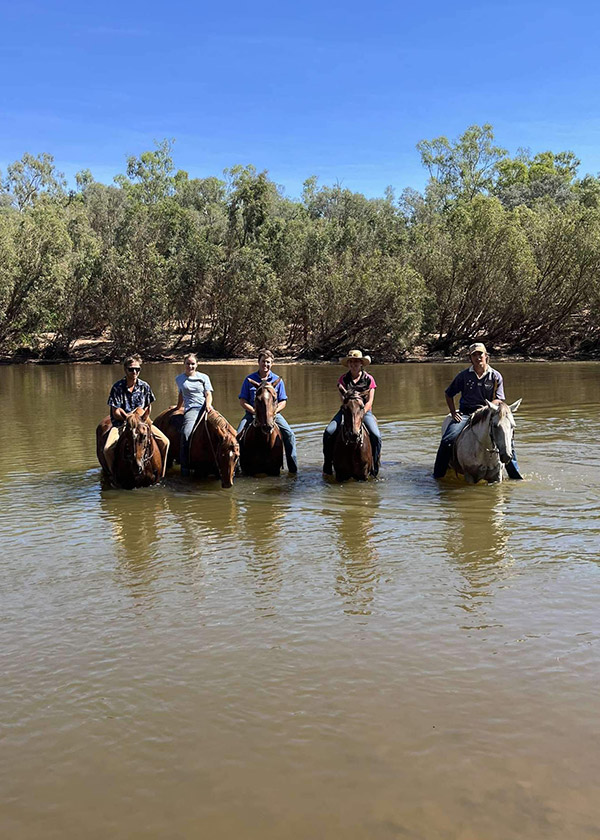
column 496, row 248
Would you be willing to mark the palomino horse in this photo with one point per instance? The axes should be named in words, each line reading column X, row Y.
column 261, row 445
column 138, row 462
column 486, row 443
column 214, row 449
column 352, row 453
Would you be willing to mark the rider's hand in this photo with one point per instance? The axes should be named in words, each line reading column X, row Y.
column 208, row 409
column 456, row 416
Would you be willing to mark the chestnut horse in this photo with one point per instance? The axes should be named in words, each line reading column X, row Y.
column 261, row 444
column 352, row 453
column 138, row 461
column 214, row 449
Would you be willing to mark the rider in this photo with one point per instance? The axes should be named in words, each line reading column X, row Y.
column 475, row 384
column 246, row 398
column 195, row 395
column 356, row 379
column 127, row 395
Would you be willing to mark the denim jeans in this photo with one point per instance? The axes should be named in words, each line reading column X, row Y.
column 374, row 436
column 287, row 435
column 190, row 419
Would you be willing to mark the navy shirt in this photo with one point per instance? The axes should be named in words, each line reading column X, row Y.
column 121, row 397
column 474, row 390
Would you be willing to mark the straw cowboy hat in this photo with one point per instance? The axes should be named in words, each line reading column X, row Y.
column 355, row 354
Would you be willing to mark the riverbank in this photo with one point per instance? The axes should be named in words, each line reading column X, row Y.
column 99, row 350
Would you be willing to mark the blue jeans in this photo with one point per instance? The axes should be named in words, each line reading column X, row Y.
column 190, row 418
column 374, row 436
column 444, row 453
column 287, row 435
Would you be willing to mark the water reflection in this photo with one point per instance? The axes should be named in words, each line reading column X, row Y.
column 477, row 538
column 358, row 553
column 135, row 522
column 262, row 521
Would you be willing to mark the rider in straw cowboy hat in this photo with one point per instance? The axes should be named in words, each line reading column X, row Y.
column 357, row 379
column 475, row 384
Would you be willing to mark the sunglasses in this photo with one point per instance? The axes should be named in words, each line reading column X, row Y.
column 133, row 370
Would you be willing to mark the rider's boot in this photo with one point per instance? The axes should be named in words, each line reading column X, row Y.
column 512, row 468
column 442, row 460
column 328, row 454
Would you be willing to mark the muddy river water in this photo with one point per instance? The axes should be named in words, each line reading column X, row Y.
column 294, row 658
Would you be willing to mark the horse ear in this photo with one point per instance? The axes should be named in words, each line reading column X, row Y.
column 276, row 382
column 145, row 415
column 492, row 405
column 252, row 382
column 515, row 405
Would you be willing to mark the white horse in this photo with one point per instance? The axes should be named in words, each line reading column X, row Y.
column 486, row 442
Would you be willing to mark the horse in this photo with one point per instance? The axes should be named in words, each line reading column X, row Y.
column 485, row 445
column 214, row 449
column 261, row 444
column 352, row 452
column 138, row 461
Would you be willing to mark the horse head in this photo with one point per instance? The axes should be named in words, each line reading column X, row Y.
column 353, row 411
column 137, row 440
column 265, row 404
column 502, row 425
column 227, row 448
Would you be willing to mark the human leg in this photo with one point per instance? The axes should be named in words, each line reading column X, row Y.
column 375, row 437
column 328, row 442
column 444, row 452
column 163, row 443
column 512, row 468
column 289, row 442
column 247, row 418
column 110, row 447
column 189, row 421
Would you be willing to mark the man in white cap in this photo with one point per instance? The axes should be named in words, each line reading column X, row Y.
column 475, row 384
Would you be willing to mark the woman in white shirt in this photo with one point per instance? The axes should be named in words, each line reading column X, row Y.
column 195, row 395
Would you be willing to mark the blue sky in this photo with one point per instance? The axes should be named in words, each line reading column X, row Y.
column 343, row 91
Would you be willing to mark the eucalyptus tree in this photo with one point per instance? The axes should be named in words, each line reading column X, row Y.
column 31, row 177
column 461, row 168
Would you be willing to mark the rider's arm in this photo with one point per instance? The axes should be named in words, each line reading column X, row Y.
column 452, row 408
column 369, row 402
column 280, row 406
column 246, row 406
column 208, row 395
column 179, row 402
column 117, row 413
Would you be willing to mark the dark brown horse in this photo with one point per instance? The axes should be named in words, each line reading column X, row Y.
column 352, row 453
column 214, row 449
column 261, row 445
column 138, row 462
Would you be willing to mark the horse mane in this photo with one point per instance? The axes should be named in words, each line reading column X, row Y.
column 483, row 412
column 220, row 424
column 479, row 415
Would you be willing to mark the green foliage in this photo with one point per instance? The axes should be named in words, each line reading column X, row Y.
column 498, row 248
column 462, row 168
column 29, row 178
